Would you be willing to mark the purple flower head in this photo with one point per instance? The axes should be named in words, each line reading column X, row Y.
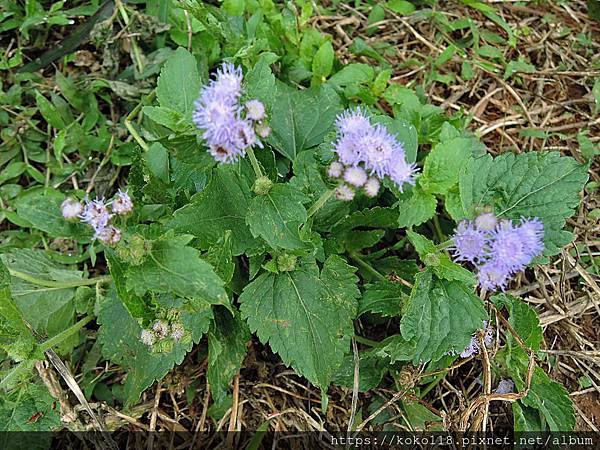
column 263, row 130
column 505, row 387
column 122, row 203
column 353, row 121
column 147, row 337
column 228, row 81
column 493, row 275
column 508, row 248
column 469, row 243
column 402, row 172
column 532, row 236
column 348, row 150
column 255, row 110
column 335, row 169
column 486, row 221
column 356, row 176
column 379, row 148
column 344, row 193
column 177, row 331
column 108, row 235
column 95, row 214
column 372, row 187
column 244, row 135
column 71, row 209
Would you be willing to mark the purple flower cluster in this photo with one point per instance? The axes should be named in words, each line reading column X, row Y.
column 98, row 214
column 498, row 248
column 162, row 330
column 229, row 128
column 366, row 154
column 473, row 348
column 505, row 387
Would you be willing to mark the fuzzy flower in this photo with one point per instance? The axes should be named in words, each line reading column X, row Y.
column 371, row 187
column 255, row 110
column 71, row 209
column 335, row 169
column 122, row 204
column 263, row 130
column 108, row 235
column 493, row 275
column 161, row 329
column 532, row 236
column 505, row 387
column 348, row 149
column 353, row 121
column 469, row 242
column 473, row 348
column 356, row 176
column 344, row 193
column 96, row 214
column 147, row 337
column 227, row 127
column 379, row 149
column 177, row 331
column 402, row 172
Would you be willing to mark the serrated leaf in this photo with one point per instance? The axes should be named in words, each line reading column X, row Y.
column 301, row 119
column 544, row 185
column 179, row 82
column 48, row 309
column 221, row 206
column 277, row 216
column 167, row 117
column 443, row 164
column 385, row 298
column 119, row 336
column 220, row 257
column 372, row 368
column 415, row 207
column 29, row 408
column 396, row 348
column 174, row 267
column 305, row 316
column 441, row 316
column 227, row 339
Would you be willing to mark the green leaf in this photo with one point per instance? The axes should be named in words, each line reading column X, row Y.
column 440, row 316
column 544, row 185
column 301, row 119
column 277, row 216
column 396, row 348
column 49, row 111
column 306, row 317
column 174, row 267
column 48, row 310
column 322, row 63
column 352, row 74
column 167, row 117
column 220, row 256
column 119, row 336
column 221, row 206
column 439, row 262
column 523, row 319
column 17, row 413
column 400, row 6
column 416, row 207
column 227, row 339
column 179, row 83
column 596, row 92
column 372, row 368
column 420, row 417
column 518, row 66
column 384, row 297
column 443, row 164
column 40, row 208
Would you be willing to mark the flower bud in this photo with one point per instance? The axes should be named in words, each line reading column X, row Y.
column 262, row 185
column 71, row 209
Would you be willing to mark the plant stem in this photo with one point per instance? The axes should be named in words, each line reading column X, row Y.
column 324, row 198
column 63, row 335
column 131, row 115
column 444, row 245
column 366, row 341
column 59, row 284
column 438, row 228
column 433, row 384
column 254, row 162
column 365, row 265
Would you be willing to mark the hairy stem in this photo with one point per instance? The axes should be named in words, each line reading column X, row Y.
column 59, row 284
column 63, row 335
column 254, row 162
column 366, row 266
column 324, row 198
